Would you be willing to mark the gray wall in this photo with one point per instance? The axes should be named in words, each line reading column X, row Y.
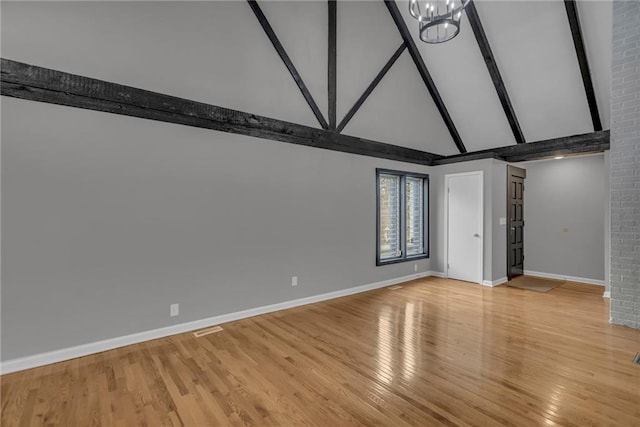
column 625, row 164
column 109, row 219
column 564, row 216
column 542, row 192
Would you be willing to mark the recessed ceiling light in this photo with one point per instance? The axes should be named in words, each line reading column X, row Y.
column 558, row 157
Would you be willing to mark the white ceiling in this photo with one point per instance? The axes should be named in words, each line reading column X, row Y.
column 302, row 42
column 400, row 111
column 596, row 18
column 365, row 42
column 533, row 48
column 461, row 76
column 213, row 52
column 216, row 52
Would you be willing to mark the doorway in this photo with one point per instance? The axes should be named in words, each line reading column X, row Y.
column 464, row 209
column 515, row 216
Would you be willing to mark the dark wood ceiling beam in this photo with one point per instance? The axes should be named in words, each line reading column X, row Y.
column 56, row 87
column 287, row 62
column 332, row 74
column 34, row 83
column 424, row 73
column 578, row 42
column 371, row 87
column 494, row 72
column 576, row 144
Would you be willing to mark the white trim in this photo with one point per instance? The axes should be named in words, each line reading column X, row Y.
column 446, row 221
column 563, row 277
column 606, row 294
column 493, row 283
column 22, row 363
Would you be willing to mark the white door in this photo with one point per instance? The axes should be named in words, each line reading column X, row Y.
column 464, row 221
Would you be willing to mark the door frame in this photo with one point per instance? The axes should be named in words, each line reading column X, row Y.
column 480, row 174
column 521, row 172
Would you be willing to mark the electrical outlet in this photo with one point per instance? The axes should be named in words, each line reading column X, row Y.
column 415, row 267
column 174, row 309
column 294, row 280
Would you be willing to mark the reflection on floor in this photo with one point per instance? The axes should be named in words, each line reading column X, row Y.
column 434, row 352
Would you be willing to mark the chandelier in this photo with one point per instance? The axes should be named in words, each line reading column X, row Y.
column 439, row 20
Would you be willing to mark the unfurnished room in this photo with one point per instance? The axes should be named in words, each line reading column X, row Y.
column 320, row 213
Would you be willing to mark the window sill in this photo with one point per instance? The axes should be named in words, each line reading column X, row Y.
column 380, row 262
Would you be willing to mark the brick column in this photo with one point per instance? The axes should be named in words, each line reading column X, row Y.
column 625, row 165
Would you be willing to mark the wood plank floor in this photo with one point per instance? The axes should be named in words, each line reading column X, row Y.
column 435, row 352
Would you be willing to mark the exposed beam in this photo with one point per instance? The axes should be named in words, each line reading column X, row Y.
column 332, row 62
column 578, row 42
column 489, row 60
column 371, row 87
column 424, row 72
column 287, row 62
column 55, row 87
column 576, row 144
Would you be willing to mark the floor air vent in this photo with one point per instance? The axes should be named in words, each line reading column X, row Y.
column 394, row 288
column 207, row 331
column 637, row 359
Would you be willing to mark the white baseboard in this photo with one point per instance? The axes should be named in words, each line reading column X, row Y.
column 606, row 294
column 493, row 283
column 22, row 363
column 436, row 274
column 563, row 277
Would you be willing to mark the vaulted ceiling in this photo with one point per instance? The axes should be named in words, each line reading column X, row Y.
column 218, row 53
column 533, row 48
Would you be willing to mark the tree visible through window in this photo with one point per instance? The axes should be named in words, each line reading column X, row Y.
column 402, row 216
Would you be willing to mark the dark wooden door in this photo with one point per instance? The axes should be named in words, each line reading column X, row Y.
column 515, row 221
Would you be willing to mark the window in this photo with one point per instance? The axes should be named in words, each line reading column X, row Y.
column 402, row 217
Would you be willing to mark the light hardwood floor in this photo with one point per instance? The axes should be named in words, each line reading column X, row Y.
column 435, row 352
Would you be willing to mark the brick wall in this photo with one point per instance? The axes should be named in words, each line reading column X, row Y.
column 625, row 165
